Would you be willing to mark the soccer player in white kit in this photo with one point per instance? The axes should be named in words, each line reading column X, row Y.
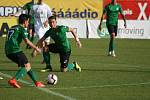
column 42, row 12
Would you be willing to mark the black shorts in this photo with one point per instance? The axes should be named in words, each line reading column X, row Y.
column 64, row 56
column 19, row 58
column 112, row 29
column 31, row 26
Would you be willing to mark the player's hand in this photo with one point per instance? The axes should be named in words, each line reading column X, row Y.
column 45, row 24
column 38, row 49
column 79, row 44
column 125, row 25
column 100, row 27
column 34, row 53
column 39, row 44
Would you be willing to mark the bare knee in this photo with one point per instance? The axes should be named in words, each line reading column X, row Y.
column 27, row 66
column 113, row 35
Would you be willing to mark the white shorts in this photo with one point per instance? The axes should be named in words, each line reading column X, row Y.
column 40, row 31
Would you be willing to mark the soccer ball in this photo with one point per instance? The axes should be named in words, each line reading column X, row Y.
column 52, row 79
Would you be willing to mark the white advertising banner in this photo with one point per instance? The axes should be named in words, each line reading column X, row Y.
column 93, row 28
column 135, row 29
column 79, row 25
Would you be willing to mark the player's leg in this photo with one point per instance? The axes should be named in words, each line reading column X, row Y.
column 46, row 56
column 33, row 76
column 49, row 48
column 64, row 59
column 111, row 31
column 21, row 60
column 76, row 66
column 114, row 35
column 31, row 34
column 65, row 66
column 16, row 57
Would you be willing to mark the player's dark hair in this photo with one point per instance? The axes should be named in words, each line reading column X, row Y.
column 52, row 17
column 23, row 18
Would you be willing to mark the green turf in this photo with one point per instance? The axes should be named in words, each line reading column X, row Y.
column 126, row 77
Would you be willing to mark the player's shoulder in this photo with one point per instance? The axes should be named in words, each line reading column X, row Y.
column 107, row 5
column 62, row 26
column 29, row 3
column 35, row 6
column 118, row 5
column 17, row 27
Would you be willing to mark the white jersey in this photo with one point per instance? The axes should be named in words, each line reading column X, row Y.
column 41, row 13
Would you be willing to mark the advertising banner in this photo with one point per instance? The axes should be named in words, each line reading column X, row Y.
column 8, row 7
column 135, row 29
column 64, row 9
column 79, row 25
column 134, row 9
column 78, row 9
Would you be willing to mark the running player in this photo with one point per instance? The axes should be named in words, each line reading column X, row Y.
column 111, row 12
column 14, row 52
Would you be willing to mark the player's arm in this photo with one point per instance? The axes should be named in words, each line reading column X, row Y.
column 74, row 33
column 100, row 25
column 123, row 17
column 49, row 13
column 27, row 41
column 102, row 17
column 40, row 42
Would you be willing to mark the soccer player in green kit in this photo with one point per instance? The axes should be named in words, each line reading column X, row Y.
column 111, row 12
column 27, row 7
column 61, row 45
column 14, row 52
column 31, row 29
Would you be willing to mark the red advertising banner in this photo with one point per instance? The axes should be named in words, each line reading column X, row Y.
column 134, row 9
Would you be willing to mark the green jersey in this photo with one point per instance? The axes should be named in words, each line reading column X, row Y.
column 15, row 36
column 28, row 7
column 112, row 13
column 59, row 36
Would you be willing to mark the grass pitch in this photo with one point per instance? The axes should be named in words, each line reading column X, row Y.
column 126, row 77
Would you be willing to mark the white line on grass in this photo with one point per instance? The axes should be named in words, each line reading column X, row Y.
column 42, row 89
column 101, row 86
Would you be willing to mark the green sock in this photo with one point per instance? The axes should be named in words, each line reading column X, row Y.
column 46, row 57
column 32, row 75
column 20, row 73
column 70, row 66
column 111, row 45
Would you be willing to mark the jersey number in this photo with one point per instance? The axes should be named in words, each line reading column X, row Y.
column 10, row 33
